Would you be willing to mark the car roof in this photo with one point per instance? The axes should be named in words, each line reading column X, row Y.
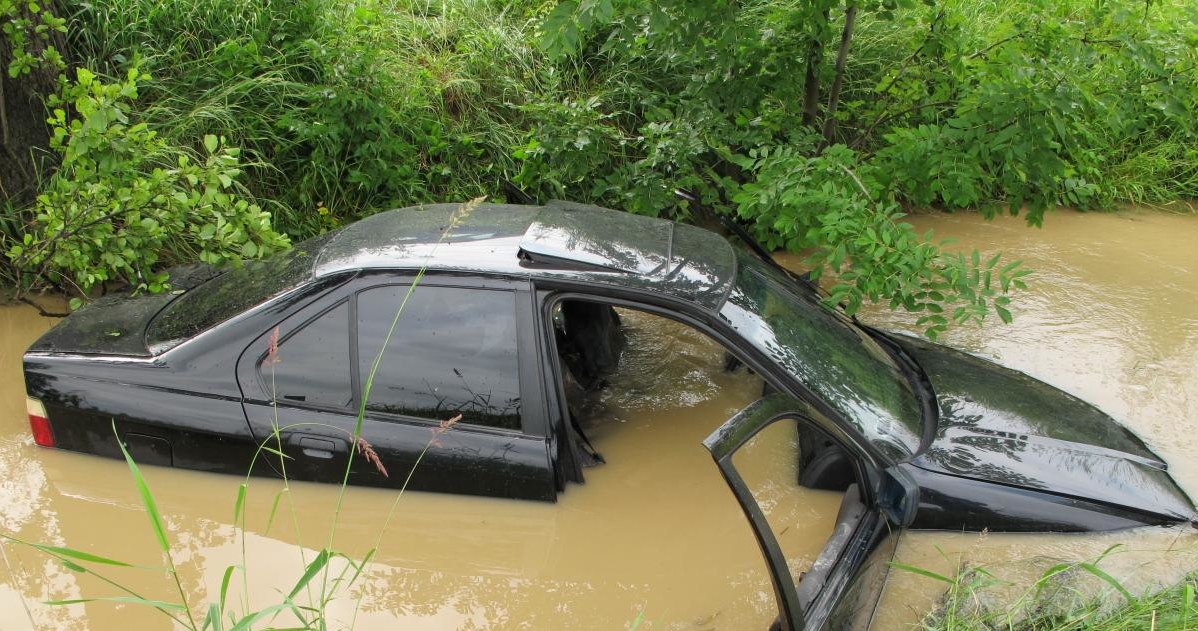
column 559, row 240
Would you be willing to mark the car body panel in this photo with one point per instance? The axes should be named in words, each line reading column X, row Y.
column 116, row 324
column 955, row 503
column 206, row 433
column 110, row 325
column 1004, row 427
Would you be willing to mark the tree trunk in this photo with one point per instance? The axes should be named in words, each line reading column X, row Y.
column 24, row 134
column 846, row 36
column 815, row 56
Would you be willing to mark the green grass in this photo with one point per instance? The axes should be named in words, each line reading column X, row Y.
column 1077, row 596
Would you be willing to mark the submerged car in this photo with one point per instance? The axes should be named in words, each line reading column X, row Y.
column 495, row 320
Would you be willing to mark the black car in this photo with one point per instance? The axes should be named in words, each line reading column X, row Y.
column 518, row 313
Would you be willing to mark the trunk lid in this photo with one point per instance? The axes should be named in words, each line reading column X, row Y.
column 116, row 324
column 1000, row 425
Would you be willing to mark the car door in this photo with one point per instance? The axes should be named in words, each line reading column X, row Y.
column 450, row 408
column 840, row 587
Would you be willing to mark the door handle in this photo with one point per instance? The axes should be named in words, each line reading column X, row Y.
column 317, row 447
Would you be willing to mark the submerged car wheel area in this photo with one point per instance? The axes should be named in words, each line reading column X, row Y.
column 517, row 330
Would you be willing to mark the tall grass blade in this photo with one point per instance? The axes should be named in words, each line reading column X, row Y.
column 147, row 498
column 79, row 555
column 212, row 620
column 274, row 509
column 1187, row 604
column 239, row 505
column 156, row 604
column 248, row 621
column 1048, row 574
column 224, row 585
column 1110, row 580
column 315, row 566
column 361, row 566
column 921, row 572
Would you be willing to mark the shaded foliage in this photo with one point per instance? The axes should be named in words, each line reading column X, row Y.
column 815, row 123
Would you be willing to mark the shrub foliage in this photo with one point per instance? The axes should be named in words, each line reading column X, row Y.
column 815, row 123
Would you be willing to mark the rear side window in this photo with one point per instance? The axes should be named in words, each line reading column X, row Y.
column 314, row 366
column 453, row 352
column 232, row 292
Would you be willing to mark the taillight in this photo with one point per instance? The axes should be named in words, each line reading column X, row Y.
column 39, row 422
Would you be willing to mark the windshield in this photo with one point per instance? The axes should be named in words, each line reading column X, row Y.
column 231, row 293
column 829, row 355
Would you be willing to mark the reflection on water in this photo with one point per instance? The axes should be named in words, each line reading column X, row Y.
column 1110, row 316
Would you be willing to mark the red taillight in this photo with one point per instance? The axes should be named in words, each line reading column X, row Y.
column 38, row 422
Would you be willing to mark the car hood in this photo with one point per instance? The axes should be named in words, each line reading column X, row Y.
column 116, row 324
column 1000, row 425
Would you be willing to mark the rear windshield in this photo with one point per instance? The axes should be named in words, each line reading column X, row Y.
column 233, row 292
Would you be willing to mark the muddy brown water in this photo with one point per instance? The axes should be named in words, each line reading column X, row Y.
column 1111, row 315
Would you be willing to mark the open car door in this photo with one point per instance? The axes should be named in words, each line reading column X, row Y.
column 775, row 457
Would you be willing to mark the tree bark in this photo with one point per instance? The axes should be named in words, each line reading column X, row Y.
column 24, row 134
column 846, row 36
column 815, row 56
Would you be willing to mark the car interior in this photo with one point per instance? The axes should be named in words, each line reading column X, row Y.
column 621, row 358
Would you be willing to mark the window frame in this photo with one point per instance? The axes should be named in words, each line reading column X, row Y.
column 532, row 398
column 711, row 323
column 305, row 322
column 357, row 379
column 798, row 609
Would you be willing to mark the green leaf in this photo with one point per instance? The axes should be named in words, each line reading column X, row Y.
column 1110, row 580
column 1003, row 314
column 133, row 600
column 212, row 620
column 921, row 572
column 315, row 566
column 248, row 621
column 78, row 555
column 147, row 498
column 362, row 566
column 1049, row 573
column 274, row 509
column 239, row 504
column 224, row 585
column 211, row 143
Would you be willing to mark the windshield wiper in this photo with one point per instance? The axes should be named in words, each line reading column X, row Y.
column 916, row 377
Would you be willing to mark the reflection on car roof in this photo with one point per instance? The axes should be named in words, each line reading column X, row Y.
column 560, row 239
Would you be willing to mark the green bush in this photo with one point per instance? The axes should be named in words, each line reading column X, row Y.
column 124, row 203
column 343, row 109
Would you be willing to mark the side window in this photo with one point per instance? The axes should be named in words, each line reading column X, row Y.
column 313, row 364
column 453, row 352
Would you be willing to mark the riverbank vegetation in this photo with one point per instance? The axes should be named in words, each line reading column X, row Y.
column 1063, row 598
column 186, row 130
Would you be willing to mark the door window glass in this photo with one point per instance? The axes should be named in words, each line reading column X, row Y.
column 313, row 363
column 453, row 352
